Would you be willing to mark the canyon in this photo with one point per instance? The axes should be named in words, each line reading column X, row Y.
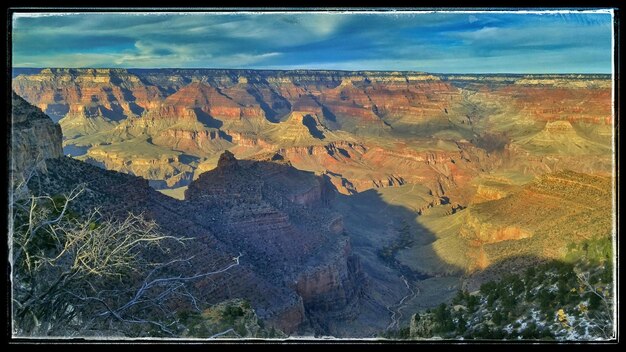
column 353, row 196
column 364, row 130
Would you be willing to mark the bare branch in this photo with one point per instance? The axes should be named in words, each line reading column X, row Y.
column 224, row 333
column 79, row 274
column 171, row 280
column 603, row 316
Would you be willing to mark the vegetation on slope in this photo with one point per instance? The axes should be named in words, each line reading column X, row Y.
column 85, row 274
column 230, row 319
column 560, row 300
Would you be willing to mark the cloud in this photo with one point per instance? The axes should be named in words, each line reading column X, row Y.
column 542, row 63
column 536, row 35
column 442, row 41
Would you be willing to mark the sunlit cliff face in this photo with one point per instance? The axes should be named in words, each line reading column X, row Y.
column 365, row 130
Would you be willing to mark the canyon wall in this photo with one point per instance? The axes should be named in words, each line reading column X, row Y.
column 445, row 127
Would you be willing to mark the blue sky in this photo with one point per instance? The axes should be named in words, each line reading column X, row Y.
column 445, row 42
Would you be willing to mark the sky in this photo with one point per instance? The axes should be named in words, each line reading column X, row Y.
column 438, row 42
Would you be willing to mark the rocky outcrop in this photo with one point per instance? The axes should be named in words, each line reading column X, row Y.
column 539, row 219
column 34, row 138
column 114, row 93
column 163, row 170
column 279, row 217
column 331, row 291
column 250, row 140
column 201, row 98
column 486, row 232
column 486, row 193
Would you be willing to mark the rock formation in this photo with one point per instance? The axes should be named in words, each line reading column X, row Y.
column 264, row 208
column 347, row 192
column 34, row 138
column 477, row 122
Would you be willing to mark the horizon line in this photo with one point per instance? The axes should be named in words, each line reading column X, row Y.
column 314, row 69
